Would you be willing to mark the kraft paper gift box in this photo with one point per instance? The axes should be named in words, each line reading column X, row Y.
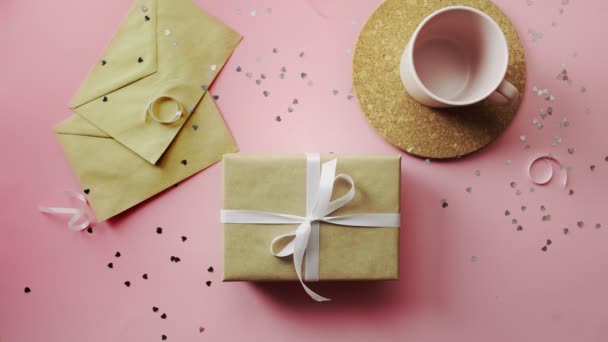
column 278, row 184
column 144, row 120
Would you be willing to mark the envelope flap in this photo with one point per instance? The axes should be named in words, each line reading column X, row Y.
column 146, row 115
column 130, row 56
column 76, row 125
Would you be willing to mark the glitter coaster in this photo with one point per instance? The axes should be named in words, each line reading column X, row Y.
column 419, row 130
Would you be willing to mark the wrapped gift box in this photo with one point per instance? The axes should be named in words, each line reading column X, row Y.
column 277, row 184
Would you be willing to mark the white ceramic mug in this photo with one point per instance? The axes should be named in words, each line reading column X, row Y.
column 457, row 56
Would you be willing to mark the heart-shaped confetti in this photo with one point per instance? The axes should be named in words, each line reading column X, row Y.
column 127, row 283
column 167, row 32
column 253, row 13
column 208, row 282
column 184, row 239
column 213, row 67
column 266, row 93
column 303, row 75
column 140, row 60
column 155, row 309
column 145, row 276
column 184, row 162
column 278, row 118
column 195, row 127
column 290, row 110
column 238, row 69
column 201, row 329
column 295, row 102
column 210, row 269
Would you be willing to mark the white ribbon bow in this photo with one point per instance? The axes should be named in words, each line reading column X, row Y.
column 305, row 239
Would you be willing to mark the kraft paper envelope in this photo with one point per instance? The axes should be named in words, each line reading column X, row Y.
column 277, row 184
column 116, row 178
column 163, row 49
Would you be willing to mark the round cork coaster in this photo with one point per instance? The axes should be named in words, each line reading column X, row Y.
column 417, row 129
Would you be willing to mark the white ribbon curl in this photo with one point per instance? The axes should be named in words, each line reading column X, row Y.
column 305, row 239
column 179, row 111
column 549, row 160
column 77, row 213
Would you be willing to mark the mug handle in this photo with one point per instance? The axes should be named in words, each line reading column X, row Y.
column 508, row 92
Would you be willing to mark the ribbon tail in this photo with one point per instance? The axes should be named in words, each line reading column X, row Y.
column 301, row 241
column 312, row 254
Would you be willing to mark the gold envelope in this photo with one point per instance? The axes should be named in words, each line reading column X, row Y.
column 116, row 179
column 277, row 184
column 164, row 48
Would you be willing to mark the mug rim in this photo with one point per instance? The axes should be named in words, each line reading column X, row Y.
column 415, row 73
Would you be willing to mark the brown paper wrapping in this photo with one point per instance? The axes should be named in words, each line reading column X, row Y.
column 277, row 184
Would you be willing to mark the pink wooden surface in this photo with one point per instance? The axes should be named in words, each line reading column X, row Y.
column 467, row 274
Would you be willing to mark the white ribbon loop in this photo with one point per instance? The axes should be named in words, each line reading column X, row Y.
column 77, row 214
column 304, row 240
column 179, row 111
column 549, row 160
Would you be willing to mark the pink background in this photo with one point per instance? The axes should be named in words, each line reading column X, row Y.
column 467, row 274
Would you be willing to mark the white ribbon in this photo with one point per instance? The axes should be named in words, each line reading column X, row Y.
column 179, row 112
column 305, row 239
column 548, row 161
column 77, row 213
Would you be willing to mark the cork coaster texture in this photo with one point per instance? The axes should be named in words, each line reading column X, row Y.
column 417, row 129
